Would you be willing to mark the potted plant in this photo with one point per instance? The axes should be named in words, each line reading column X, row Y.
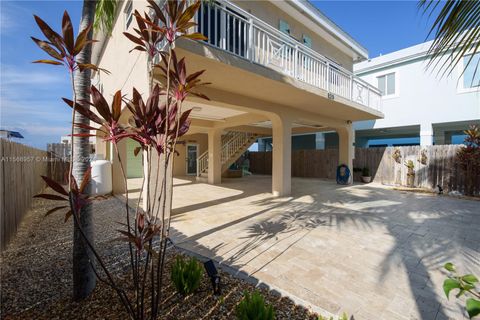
column 410, row 173
column 366, row 178
column 357, row 174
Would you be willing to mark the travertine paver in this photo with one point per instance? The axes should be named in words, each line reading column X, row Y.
column 364, row 249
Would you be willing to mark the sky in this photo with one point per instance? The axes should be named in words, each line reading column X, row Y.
column 30, row 94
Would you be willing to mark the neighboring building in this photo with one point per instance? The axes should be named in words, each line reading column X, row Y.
column 7, row 134
column 64, row 148
column 277, row 68
column 420, row 106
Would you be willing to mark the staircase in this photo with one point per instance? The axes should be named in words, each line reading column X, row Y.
column 234, row 144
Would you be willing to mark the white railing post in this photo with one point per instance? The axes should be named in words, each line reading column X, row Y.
column 223, row 28
column 295, row 62
column 328, row 76
column 267, row 45
column 368, row 96
column 198, row 167
column 250, row 49
column 351, row 87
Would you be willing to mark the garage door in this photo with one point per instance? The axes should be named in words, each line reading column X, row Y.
column 134, row 164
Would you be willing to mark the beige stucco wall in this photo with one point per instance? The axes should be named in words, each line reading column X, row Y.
column 127, row 69
column 272, row 15
column 180, row 159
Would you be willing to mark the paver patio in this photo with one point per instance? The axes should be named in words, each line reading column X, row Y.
column 364, row 249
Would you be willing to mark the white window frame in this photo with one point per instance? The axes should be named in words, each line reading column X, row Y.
column 397, row 82
column 461, row 75
column 128, row 16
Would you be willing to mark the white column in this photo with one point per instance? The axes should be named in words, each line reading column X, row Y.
column 118, row 184
column 346, row 148
column 215, row 156
column 426, row 134
column 282, row 156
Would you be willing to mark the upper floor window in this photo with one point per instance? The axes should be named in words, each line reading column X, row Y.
column 307, row 41
column 386, row 84
column 471, row 75
column 284, row 27
column 128, row 14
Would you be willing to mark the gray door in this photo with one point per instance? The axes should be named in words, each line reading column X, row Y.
column 192, row 154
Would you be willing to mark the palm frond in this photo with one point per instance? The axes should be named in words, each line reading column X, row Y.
column 105, row 14
column 456, row 29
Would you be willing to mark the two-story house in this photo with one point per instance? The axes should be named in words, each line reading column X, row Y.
column 277, row 68
column 420, row 105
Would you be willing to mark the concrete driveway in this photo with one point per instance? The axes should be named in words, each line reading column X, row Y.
column 364, row 249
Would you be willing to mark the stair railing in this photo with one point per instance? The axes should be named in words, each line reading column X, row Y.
column 202, row 163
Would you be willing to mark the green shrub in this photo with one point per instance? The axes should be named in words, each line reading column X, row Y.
column 463, row 285
column 365, row 172
column 253, row 307
column 342, row 317
column 186, row 275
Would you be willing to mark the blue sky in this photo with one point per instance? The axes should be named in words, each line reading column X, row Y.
column 30, row 94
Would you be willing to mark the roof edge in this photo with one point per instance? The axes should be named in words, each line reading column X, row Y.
column 331, row 26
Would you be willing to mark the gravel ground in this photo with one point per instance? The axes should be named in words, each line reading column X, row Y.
column 36, row 275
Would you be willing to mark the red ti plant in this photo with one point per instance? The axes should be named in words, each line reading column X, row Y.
column 469, row 158
column 156, row 124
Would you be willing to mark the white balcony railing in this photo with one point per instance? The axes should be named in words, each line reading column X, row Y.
column 232, row 29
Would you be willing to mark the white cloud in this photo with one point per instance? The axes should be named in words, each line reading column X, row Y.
column 47, row 110
column 14, row 76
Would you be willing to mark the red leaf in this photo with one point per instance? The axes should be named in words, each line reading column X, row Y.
column 67, row 30
column 48, row 62
column 45, row 46
column 117, row 105
column 86, row 179
column 195, row 36
column 49, row 212
column 68, row 214
column 51, row 35
column 134, row 39
column 50, row 197
column 81, row 40
column 101, row 104
column 55, row 185
column 84, row 111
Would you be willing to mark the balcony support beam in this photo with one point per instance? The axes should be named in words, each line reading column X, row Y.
column 346, row 138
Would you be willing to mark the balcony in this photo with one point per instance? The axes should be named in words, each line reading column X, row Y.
column 232, row 29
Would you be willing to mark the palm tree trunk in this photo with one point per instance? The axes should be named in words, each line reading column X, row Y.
column 84, row 278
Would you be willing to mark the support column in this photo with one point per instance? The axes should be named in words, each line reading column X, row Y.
column 346, row 148
column 215, row 156
column 282, row 156
column 118, row 185
column 426, row 134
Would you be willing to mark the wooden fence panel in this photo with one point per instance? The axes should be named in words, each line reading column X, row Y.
column 20, row 170
column 441, row 167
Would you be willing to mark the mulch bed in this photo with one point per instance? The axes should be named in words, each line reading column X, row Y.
column 36, row 275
